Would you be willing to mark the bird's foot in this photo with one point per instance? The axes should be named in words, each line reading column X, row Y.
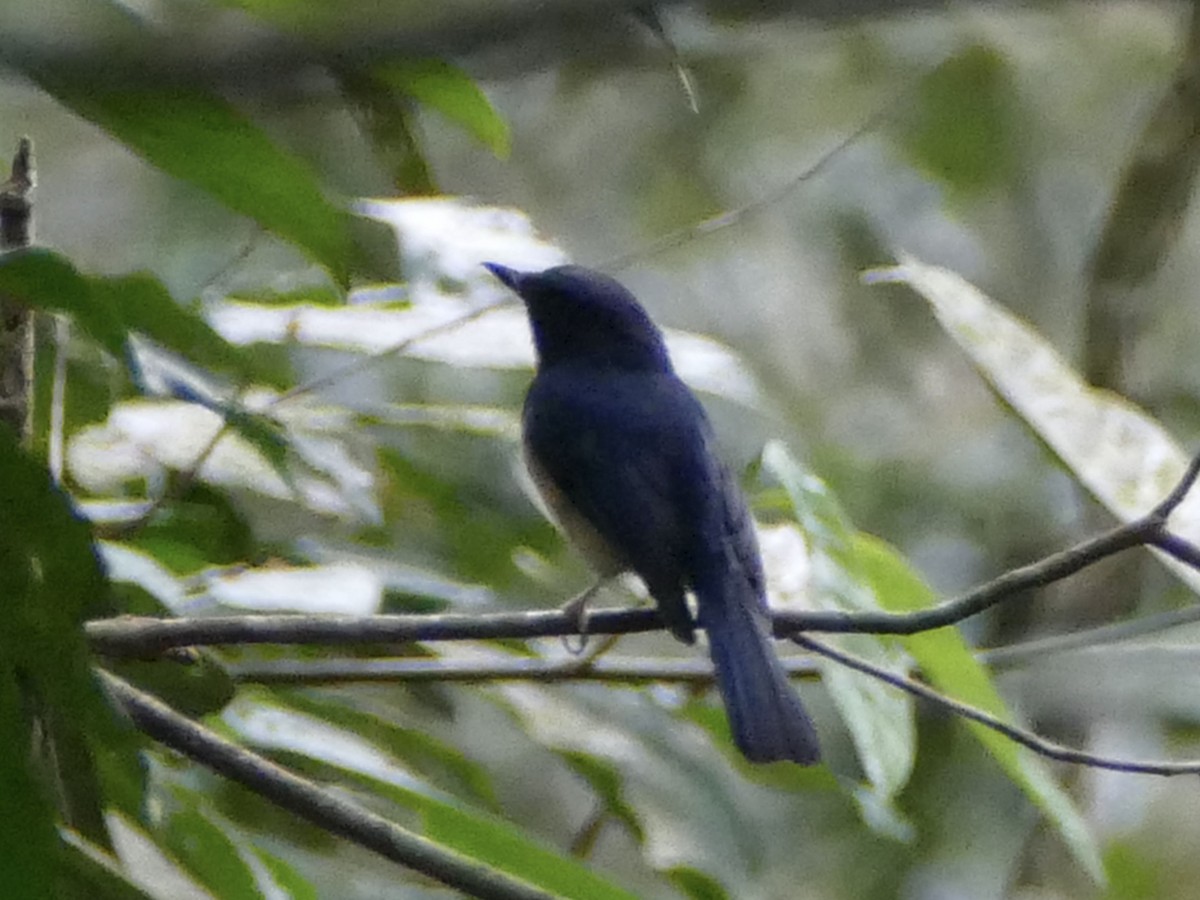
column 575, row 610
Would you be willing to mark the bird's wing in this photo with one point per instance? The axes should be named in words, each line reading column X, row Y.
column 620, row 451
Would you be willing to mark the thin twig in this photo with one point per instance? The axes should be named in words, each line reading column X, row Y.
column 731, row 217
column 1113, row 633
column 58, row 399
column 1038, row 745
column 323, row 808
column 629, row 670
column 361, row 365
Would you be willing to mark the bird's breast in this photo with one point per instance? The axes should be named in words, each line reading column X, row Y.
column 594, row 549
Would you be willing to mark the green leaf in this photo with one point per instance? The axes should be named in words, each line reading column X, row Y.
column 143, row 304
column 390, row 123
column 56, row 582
column 207, row 852
column 504, row 846
column 200, row 138
column 608, row 784
column 1134, row 874
column 310, row 295
column 946, row 661
column 474, row 833
column 696, row 884
column 41, row 279
column 479, row 540
column 964, row 126
column 1123, row 456
column 108, row 309
column 447, row 89
column 26, row 816
column 879, row 718
column 285, row 876
column 195, row 683
column 199, row 530
column 441, row 763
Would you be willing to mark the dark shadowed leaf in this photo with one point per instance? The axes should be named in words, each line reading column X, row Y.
column 391, row 125
column 26, row 816
column 108, row 309
column 51, row 563
column 696, row 884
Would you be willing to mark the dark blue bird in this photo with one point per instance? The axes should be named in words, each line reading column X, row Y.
column 625, row 458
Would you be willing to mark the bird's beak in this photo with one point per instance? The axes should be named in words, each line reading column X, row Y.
column 510, row 278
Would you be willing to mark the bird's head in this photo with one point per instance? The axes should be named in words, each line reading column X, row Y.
column 582, row 316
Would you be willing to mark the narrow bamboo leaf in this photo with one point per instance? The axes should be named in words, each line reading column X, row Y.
column 143, row 304
column 449, row 90
column 390, row 123
column 202, row 139
column 208, row 854
column 41, row 279
column 607, row 782
column 1123, row 456
column 946, row 661
column 333, row 753
column 441, row 763
column 108, row 309
column 285, row 876
column 696, row 884
column 501, row 844
column 880, row 719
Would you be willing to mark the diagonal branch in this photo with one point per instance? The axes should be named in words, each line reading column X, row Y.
column 323, row 808
column 1038, row 745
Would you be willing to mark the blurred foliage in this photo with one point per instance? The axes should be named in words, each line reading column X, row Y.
column 238, row 428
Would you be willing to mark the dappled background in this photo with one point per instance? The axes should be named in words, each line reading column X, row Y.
column 1042, row 152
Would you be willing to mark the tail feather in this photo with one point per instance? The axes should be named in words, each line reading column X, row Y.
column 765, row 714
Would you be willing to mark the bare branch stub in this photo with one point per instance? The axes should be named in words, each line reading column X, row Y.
column 16, row 321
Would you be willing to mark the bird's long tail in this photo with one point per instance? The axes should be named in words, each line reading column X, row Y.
column 765, row 714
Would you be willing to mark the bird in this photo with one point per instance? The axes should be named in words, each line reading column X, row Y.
column 625, row 459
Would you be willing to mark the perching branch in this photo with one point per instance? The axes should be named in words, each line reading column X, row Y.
column 323, row 808
column 146, row 637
